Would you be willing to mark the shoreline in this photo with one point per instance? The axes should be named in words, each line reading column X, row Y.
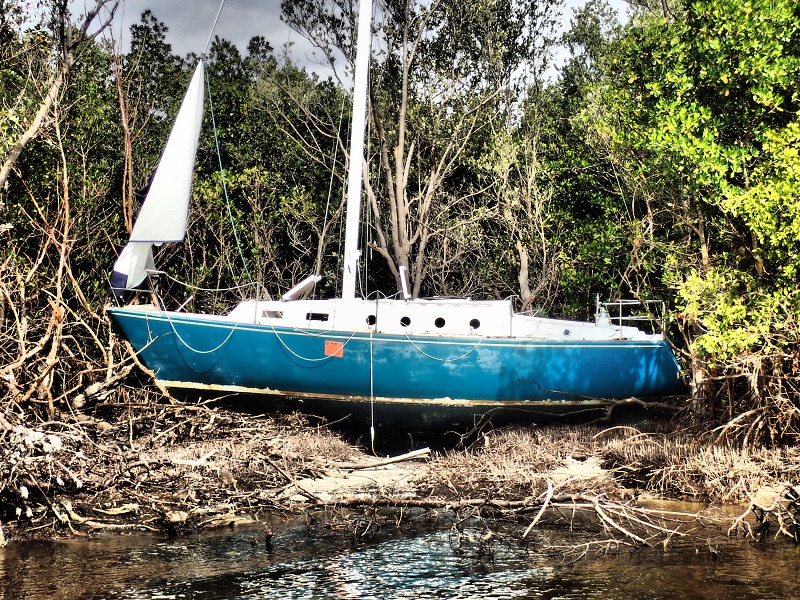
column 182, row 468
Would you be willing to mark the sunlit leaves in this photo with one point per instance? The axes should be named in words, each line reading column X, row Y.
column 770, row 205
column 710, row 101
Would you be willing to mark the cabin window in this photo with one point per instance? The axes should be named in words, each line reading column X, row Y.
column 439, row 322
column 371, row 320
column 272, row 314
column 405, row 321
column 316, row 316
column 474, row 323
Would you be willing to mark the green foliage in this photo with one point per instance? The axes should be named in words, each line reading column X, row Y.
column 277, row 225
column 592, row 227
column 712, row 98
column 701, row 114
column 154, row 81
column 769, row 205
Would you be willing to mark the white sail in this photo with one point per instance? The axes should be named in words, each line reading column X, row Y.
column 164, row 213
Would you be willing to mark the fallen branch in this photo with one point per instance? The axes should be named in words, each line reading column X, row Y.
column 150, row 372
column 381, row 463
column 101, row 388
column 538, row 516
column 606, row 520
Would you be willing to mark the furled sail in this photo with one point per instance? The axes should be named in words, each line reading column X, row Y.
column 163, row 215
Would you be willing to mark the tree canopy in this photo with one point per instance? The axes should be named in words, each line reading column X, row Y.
column 660, row 160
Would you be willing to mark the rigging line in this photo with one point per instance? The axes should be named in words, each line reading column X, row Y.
column 366, row 209
column 295, row 354
column 446, row 360
column 371, row 395
column 195, row 350
column 372, row 385
column 186, row 284
column 222, row 179
column 333, row 173
column 213, row 27
column 342, row 230
column 367, row 224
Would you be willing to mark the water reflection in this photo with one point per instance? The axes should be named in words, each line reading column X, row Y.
column 427, row 565
column 422, row 566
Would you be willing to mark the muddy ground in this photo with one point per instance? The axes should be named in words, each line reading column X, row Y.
column 175, row 467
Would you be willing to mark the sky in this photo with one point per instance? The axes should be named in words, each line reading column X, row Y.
column 190, row 23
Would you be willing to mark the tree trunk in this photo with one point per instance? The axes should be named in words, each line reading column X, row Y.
column 66, row 63
column 36, row 124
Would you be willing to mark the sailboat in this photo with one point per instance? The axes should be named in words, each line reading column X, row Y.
column 407, row 362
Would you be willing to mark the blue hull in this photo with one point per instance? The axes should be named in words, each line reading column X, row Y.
column 204, row 353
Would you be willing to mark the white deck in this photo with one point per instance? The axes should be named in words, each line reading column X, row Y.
column 445, row 317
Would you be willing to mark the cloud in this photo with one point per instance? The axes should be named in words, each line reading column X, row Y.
column 190, row 23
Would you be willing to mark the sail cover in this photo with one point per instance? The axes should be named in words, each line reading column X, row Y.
column 163, row 215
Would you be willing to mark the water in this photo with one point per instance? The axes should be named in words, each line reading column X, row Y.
column 301, row 563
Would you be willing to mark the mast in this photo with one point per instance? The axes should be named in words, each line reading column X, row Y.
column 352, row 220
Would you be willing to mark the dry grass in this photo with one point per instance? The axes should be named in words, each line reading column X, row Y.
column 683, row 467
column 517, row 463
column 675, row 466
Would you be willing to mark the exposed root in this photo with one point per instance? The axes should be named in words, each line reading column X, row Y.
column 771, row 504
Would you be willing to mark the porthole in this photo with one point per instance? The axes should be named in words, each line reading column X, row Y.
column 474, row 323
column 567, row 332
column 405, row 321
column 371, row 320
column 439, row 322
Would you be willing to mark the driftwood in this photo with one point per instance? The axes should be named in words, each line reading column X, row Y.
column 622, row 519
column 423, row 452
column 548, row 497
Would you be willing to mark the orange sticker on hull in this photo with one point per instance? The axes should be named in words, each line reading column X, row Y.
column 334, row 348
